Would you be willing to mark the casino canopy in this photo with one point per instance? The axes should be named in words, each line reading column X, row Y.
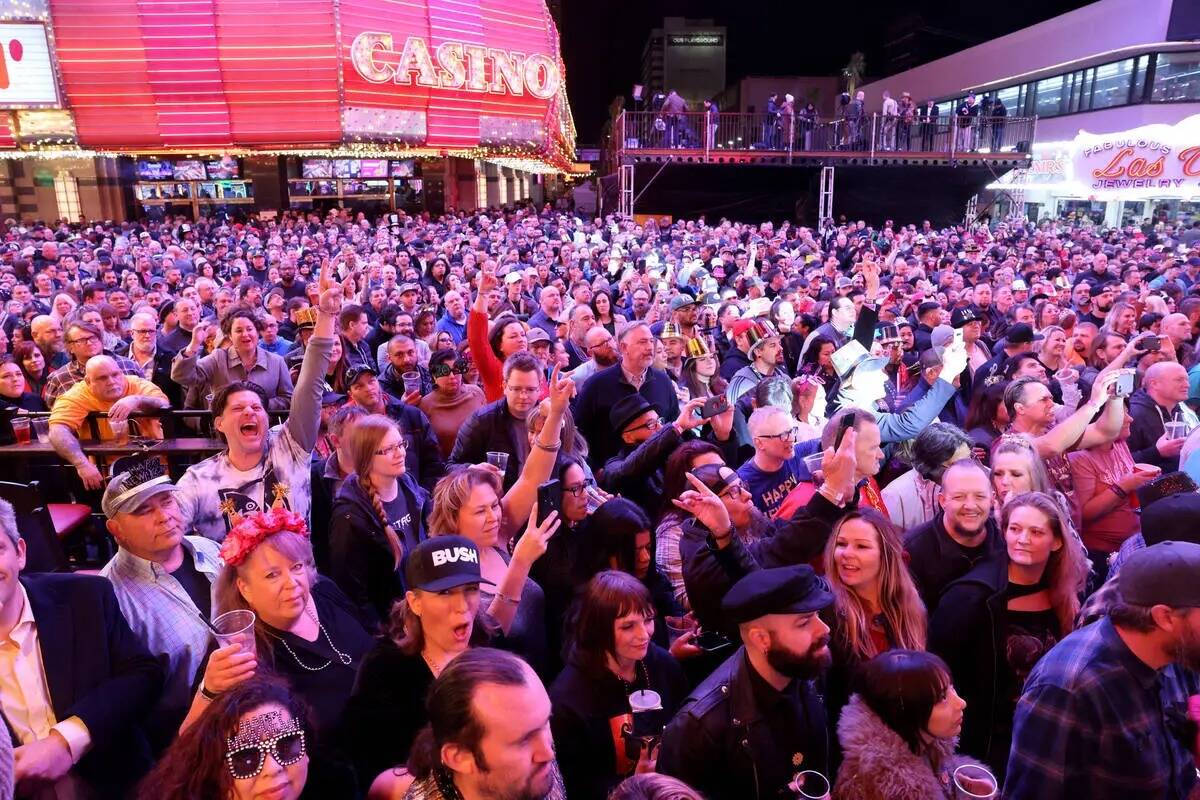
column 480, row 78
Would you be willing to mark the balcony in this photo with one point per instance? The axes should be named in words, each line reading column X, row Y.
column 735, row 138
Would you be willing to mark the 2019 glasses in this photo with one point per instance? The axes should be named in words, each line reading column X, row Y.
column 247, row 752
column 445, row 370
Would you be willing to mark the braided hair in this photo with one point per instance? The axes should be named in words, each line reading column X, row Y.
column 364, row 439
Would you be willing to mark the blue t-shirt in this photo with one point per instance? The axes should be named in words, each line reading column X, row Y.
column 770, row 488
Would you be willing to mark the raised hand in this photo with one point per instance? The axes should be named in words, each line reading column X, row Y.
column 839, row 467
column 533, row 543
column 702, row 503
column 562, row 389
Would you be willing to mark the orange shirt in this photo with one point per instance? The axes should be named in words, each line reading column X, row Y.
column 72, row 407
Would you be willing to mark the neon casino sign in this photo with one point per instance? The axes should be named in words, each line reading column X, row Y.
column 453, row 65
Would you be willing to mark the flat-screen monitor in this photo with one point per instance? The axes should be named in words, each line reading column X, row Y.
column 154, row 170
column 402, row 169
column 373, row 168
column 345, row 167
column 224, row 168
column 316, row 168
column 188, row 169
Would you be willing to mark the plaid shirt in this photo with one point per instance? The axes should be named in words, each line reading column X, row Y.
column 1096, row 722
column 64, row 378
column 164, row 624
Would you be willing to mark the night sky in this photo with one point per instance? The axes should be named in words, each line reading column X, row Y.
column 602, row 40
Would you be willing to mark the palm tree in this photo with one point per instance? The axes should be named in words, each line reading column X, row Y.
column 853, row 72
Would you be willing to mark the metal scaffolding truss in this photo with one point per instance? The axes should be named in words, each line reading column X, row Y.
column 825, row 201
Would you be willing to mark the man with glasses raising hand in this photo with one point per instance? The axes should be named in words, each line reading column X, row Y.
column 636, row 471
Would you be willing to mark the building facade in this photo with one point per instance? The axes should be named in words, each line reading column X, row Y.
column 687, row 56
column 107, row 111
column 1114, row 71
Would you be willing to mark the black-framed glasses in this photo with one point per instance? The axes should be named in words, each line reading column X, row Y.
column 580, row 489
column 650, row 425
column 445, row 370
column 733, row 488
column 286, row 748
column 792, row 434
column 83, row 340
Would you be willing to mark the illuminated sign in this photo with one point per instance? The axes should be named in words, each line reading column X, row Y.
column 26, row 75
column 695, row 39
column 453, row 65
column 1151, row 161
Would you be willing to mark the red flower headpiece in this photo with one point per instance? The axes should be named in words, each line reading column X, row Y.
column 248, row 534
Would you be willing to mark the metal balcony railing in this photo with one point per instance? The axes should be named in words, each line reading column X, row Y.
column 700, row 133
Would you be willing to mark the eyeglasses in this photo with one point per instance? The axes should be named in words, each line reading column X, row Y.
column 792, row 434
column 135, row 330
column 391, row 448
column 736, row 488
column 579, row 490
column 287, row 748
column 522, row 389
column 650, row 425
column 83, row 340
column 445, row 370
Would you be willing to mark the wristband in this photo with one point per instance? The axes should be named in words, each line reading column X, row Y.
column 548, row 448
column 1118, row 491
column 205, row 693
column 503, row 598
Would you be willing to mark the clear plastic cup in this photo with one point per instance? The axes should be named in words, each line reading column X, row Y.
column 813, row 462
column 235, row 627
column 810, row 785
column 120, row 430
column 41, row 428
column 678, row 626
column 974, row 782
column 498, row 460
column 1175, row 429
column 412, row 382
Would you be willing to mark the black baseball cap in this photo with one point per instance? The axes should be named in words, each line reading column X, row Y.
column 443, row 562
column 779, row 590
column 626, row 410
column 1162, row 574
column 358, row 370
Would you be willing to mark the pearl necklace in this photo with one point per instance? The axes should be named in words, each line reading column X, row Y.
column 343, row 657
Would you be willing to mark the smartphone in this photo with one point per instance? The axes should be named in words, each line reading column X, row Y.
column 846, row 423
column 1124, row 384
column 958, row 337
column 549, row 498
column 1152, row 344
column 713, row 406
column 711, row 641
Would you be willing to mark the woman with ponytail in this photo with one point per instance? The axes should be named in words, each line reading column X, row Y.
column 378, row 517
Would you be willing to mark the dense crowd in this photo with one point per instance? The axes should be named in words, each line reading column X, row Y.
column 512, row 505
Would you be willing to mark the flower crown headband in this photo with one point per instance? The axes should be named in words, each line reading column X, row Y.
column 247, row 535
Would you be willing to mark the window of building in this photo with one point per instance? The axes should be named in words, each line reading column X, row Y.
column 66, row 194
column 1049, row 101
column 1012, row 100
column 1112, row 84
column 1176, row 78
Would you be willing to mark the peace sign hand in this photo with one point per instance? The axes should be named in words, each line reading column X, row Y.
column 533, row 543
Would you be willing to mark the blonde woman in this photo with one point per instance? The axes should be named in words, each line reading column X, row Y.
column 305, row 631
column 876, row 604
column 994, row 623
column 378, row 515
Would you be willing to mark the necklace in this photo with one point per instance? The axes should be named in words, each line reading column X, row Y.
column 638, row 666
column 429, row 662
column 342, row 657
